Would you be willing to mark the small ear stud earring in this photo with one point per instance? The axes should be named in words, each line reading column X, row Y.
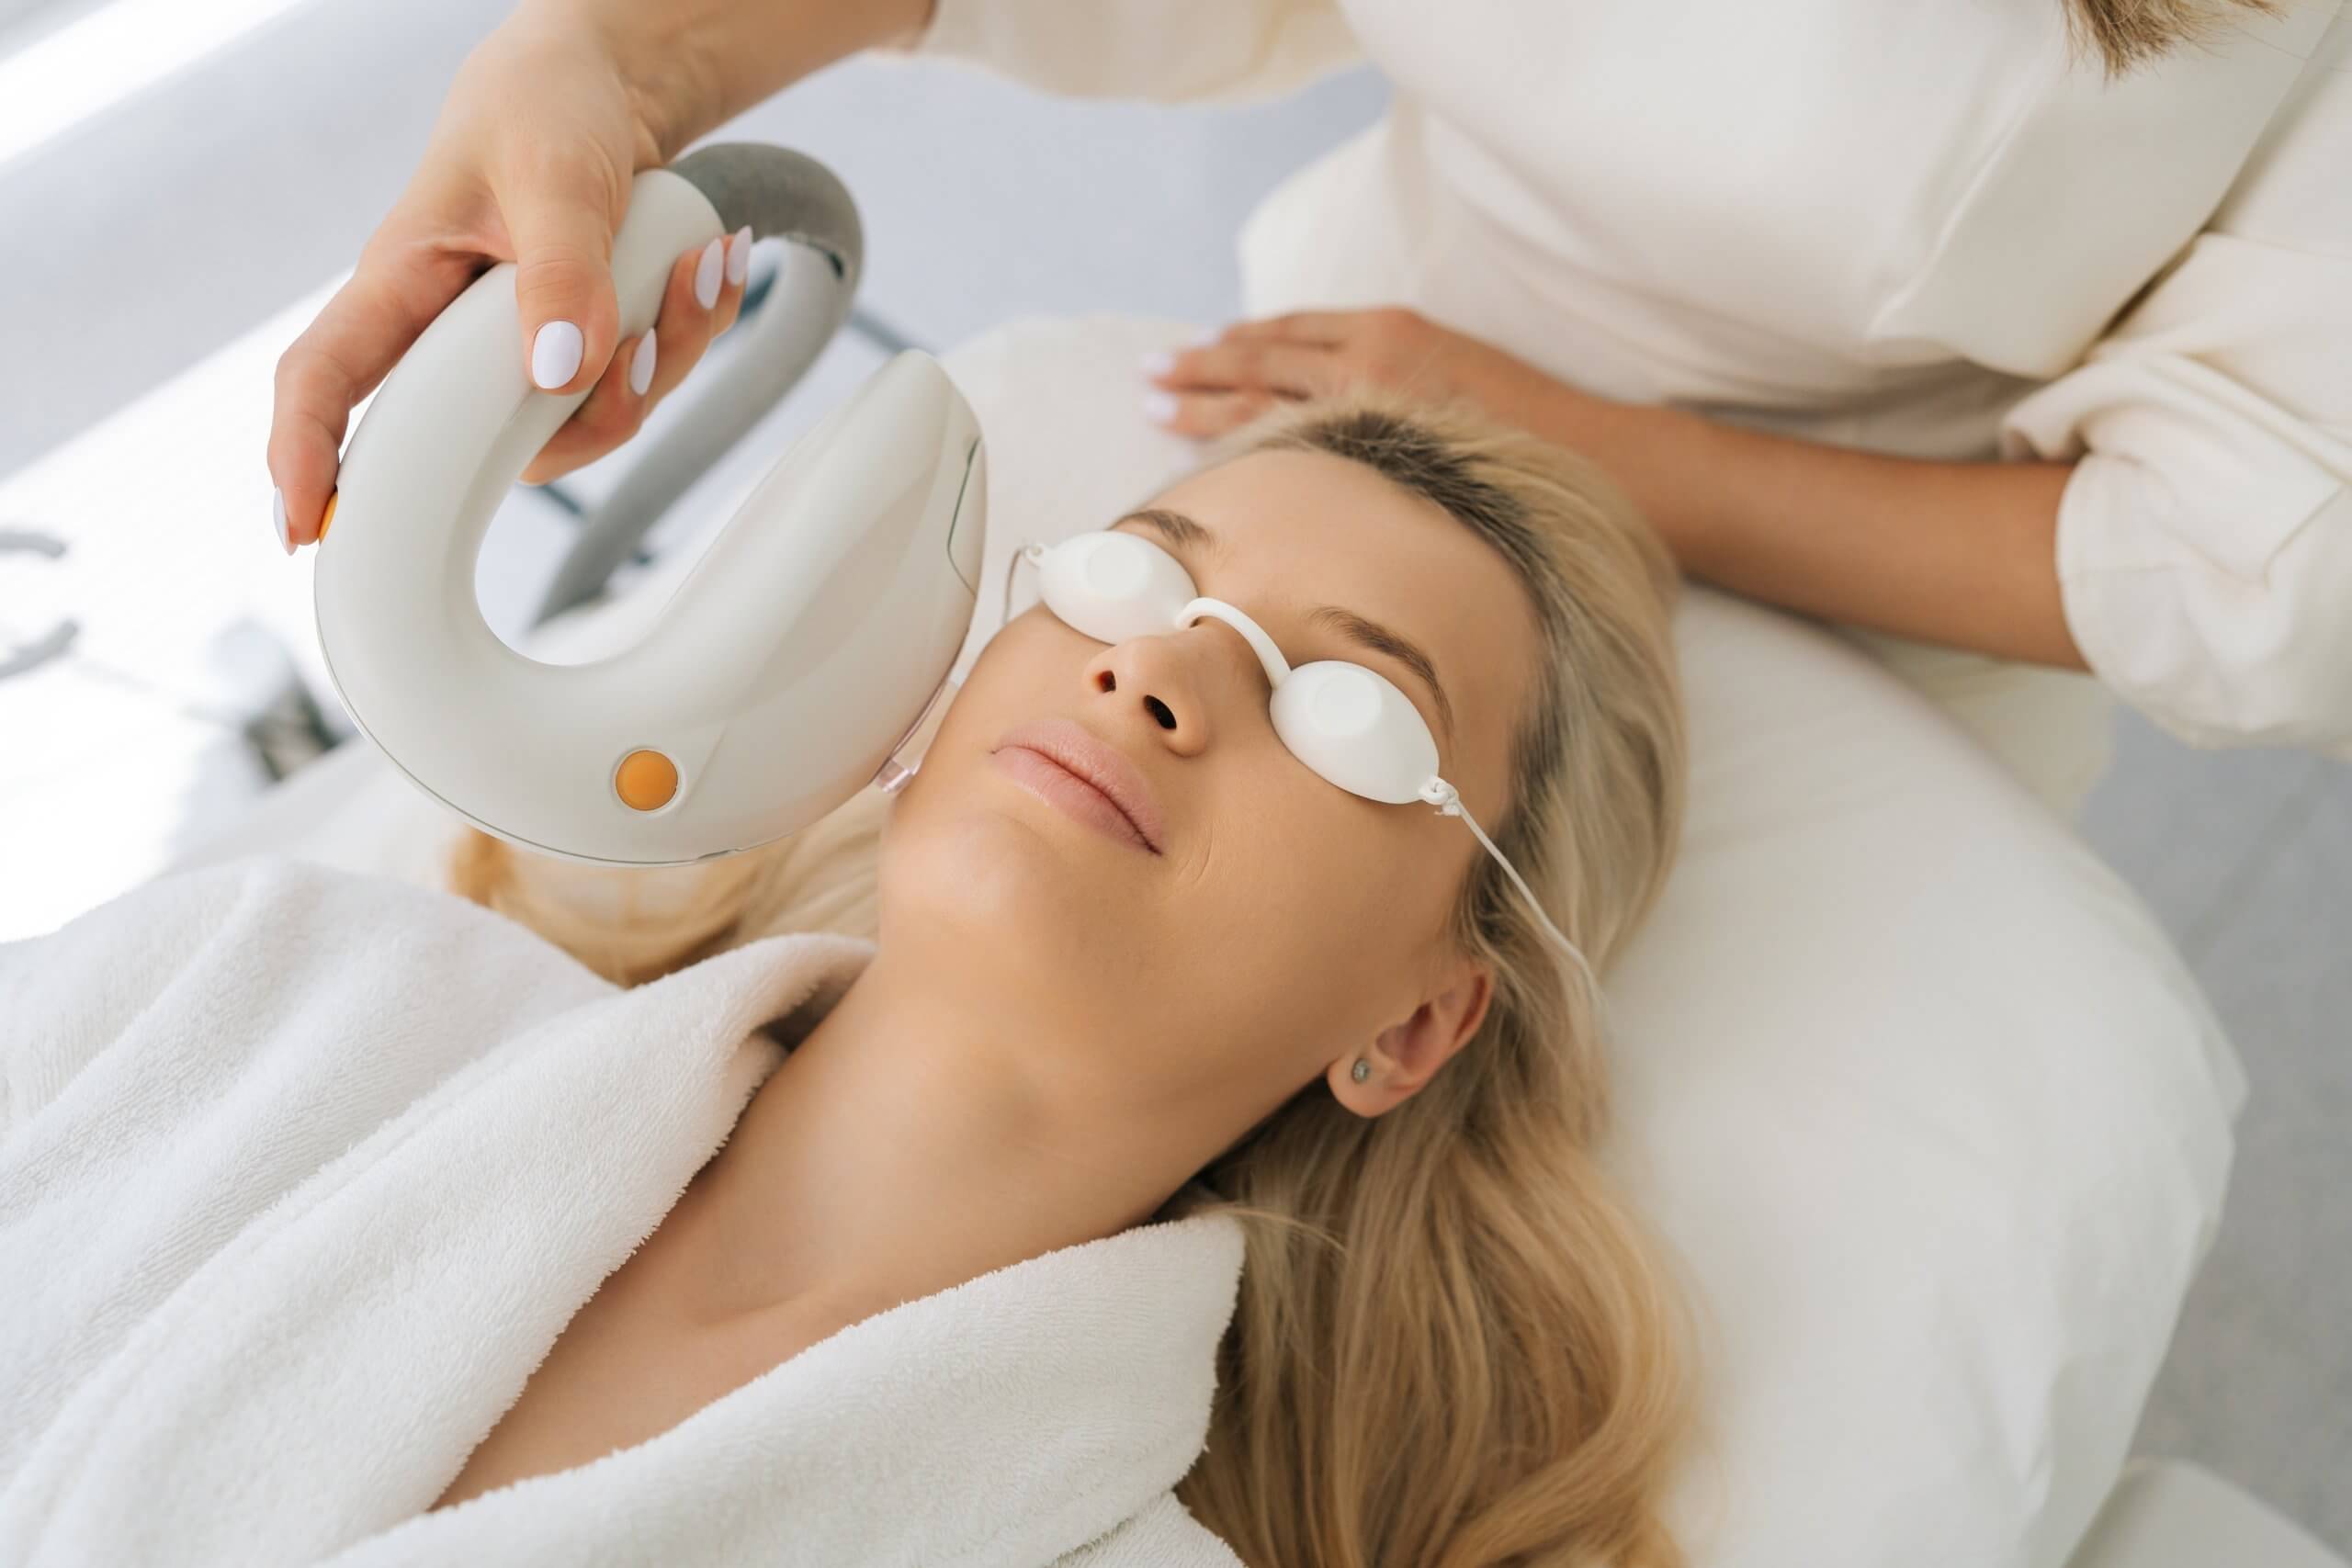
column 1361, row 1071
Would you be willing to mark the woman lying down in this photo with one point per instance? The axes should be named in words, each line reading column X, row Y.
column 1213, row 1008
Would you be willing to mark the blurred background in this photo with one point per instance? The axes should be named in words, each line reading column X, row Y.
column 183, row 183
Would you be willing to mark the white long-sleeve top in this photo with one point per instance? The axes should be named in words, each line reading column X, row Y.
column 1936, row 230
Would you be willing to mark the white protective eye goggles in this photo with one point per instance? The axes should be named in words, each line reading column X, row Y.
column 1350, row 725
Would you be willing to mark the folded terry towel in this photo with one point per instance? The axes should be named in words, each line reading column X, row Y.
column 302, row 1172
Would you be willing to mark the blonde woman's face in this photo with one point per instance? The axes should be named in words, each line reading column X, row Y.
column 1278, row 925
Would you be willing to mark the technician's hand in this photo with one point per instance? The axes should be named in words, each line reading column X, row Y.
column 531, row 161
column 1228, row 381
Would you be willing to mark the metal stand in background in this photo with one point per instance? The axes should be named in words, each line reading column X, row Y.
column 35, row 651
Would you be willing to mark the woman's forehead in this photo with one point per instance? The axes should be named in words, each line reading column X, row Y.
column 1348, row 525
column 1287, row 493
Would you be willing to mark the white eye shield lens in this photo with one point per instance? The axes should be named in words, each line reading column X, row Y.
column 1349, row 723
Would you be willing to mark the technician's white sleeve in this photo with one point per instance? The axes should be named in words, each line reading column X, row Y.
column 1167, row 51
column 2205, row 538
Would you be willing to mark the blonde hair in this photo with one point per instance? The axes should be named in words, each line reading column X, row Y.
column 1453, row 1344
column 2129, row 34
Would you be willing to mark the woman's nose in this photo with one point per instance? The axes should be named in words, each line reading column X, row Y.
column 1173, row 682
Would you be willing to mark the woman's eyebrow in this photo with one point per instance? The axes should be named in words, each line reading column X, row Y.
column 1178, row 530
column 1181, row 532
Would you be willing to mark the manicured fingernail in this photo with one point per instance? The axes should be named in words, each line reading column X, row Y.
column 278, row 517
column 641, row 364
column 1158, row 407
column 707, row 271
column 739, row 256
column 1205, row 335
column 555, row 355
column 1160, row 362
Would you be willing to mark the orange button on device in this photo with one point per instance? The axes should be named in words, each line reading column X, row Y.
column 646, row 781
column 328, row 516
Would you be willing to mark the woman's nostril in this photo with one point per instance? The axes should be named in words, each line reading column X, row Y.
column 1105, row 680
column 1159, row 711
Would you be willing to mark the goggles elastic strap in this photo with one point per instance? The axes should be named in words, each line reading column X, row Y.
column 1448, row 801
column 1032, row 554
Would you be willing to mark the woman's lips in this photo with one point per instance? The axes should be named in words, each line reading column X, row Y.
column 1065, row 789
column 1063, row 763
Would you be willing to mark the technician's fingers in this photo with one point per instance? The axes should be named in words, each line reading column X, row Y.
column 739, row 273
column 1201, row 415
column 702, row 303
column 612, row 412
column 1299, row 370
column 616, row 410
column 398, row 289
column 562, row 218
column 1330, row 328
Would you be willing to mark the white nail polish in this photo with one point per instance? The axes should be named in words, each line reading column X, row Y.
column 641, row 365
column 1159, row 363
column 739, row 256
column 707, row 271
column 555, row 355
column 1158, row 407
column 1206, row 336
column 277, row 517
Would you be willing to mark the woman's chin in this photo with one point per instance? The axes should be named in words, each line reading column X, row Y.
column 1044, row 875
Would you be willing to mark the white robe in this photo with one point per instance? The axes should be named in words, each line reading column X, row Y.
column 302, row 1172
column 1907, row 229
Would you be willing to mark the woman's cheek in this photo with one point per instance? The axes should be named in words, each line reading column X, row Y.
column 1306, row 843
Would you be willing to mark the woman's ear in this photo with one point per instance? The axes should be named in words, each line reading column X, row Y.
column 1408, row 1054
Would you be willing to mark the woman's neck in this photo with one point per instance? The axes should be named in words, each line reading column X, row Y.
column 914, row 1140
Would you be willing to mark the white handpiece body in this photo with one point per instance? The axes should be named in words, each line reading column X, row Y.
column 776, row 681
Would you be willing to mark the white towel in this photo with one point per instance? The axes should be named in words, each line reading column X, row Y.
column 303, row 1172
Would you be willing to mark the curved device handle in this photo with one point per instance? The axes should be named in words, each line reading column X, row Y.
column 781, row 194
column 781, row 674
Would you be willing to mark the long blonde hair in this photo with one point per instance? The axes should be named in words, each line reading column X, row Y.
column 1453, row 1344
column 2129, row 34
